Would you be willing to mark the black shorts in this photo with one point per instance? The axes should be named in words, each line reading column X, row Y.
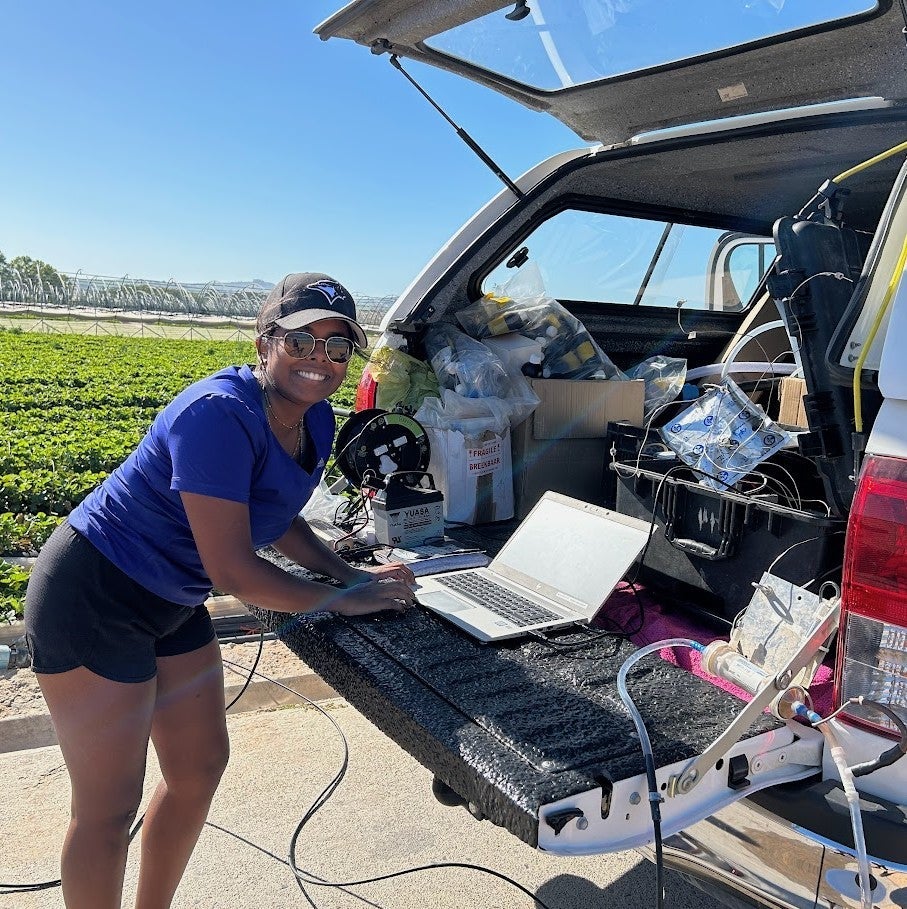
column 81, row 610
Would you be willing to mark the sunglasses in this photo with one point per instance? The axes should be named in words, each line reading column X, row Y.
column 301, row 344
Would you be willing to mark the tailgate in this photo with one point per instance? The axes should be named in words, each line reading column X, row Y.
column 536, row 741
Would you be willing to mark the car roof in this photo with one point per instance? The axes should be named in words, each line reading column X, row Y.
column 780, row 63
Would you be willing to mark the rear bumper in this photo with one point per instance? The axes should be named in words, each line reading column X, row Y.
column 748, row 855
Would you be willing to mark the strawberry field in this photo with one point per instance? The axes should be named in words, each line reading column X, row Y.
column 71, row 408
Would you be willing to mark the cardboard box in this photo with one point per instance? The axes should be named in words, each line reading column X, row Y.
column 562, row 445
column 792, row 412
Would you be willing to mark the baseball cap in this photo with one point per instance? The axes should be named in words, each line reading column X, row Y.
column 306, row 297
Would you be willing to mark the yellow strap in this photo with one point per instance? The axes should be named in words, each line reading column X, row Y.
column 868, row 163
column 858, row 367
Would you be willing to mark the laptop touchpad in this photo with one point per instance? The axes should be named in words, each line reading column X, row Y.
column 441, row 601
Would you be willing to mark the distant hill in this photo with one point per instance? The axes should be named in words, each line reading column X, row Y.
column 228, row 287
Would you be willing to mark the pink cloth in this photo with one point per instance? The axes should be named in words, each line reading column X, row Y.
column 622, row 613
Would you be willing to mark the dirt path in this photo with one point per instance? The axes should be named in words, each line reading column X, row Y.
column 20, row 695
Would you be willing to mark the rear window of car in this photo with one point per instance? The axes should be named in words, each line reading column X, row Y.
column 550, row 45
column 599, row 257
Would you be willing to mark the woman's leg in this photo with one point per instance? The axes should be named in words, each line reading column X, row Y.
column 189, row 732
column 103, row 730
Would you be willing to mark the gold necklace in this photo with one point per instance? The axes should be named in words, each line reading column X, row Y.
column 297, row 427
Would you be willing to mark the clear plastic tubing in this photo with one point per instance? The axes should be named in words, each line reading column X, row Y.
column 853, row 804
column 628, row 664
column 724, row 369
column 646, row 745
column 743, row 341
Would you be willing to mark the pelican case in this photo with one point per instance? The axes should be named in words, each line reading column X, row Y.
column 709, row 548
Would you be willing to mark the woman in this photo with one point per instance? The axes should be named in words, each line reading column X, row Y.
column 120, row 638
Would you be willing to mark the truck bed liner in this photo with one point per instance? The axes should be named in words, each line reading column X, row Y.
column 510, row 727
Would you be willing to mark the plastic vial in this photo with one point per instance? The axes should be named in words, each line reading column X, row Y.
column 722, row 660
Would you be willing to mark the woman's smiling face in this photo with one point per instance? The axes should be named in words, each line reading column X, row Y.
column 303, row 380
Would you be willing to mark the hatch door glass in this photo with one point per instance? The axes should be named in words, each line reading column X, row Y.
column 558, row 45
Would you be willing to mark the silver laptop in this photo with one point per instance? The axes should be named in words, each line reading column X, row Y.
column 558, row 568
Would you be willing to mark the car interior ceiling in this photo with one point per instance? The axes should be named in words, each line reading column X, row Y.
column 766, row 176
column 752, row 176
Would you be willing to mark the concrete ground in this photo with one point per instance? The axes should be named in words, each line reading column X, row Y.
column 383, row 818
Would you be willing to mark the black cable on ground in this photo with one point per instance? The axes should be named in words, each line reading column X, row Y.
column 28, row 888
column 6, row 889
column 304, row 877
column 277, row 858
column 261, row 647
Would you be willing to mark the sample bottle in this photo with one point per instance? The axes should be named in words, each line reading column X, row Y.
column 533, row 368
column 722, row 660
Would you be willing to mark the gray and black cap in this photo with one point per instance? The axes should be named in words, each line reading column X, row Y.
column 306, row 297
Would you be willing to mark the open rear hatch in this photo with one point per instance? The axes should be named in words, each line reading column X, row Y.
column 554, row 756
column 613, row 71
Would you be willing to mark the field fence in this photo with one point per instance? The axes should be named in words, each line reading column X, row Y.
column 95, row 304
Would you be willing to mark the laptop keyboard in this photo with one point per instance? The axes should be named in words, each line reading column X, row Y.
column 498, row 599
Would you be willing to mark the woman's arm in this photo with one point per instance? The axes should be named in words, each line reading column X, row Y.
column 302, row 545
column 222, row 534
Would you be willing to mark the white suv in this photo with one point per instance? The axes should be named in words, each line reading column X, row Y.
column 709, row 225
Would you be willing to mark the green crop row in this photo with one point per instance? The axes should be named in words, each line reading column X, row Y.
column 21, row 534
column 13, row 580
column 44, row 371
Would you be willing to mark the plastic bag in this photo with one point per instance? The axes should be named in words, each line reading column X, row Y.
column 403, row 381
column 521, row 305
column 323, row 504
column 470, row 456
column 474, row 371
column 471, row 416
column 663, row 377
column 463, row 364
column 723, row 436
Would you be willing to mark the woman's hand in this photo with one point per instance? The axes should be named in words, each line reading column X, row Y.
column 396, row 571
column 373, row 594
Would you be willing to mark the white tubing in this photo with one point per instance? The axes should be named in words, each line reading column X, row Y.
column 628, row 663
column 752, row 333
column 856, row 820
column 646, row 744
column 716, row 369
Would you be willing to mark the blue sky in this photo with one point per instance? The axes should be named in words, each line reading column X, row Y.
column 203, row 141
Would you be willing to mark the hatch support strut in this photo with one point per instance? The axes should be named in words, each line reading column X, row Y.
column 483, row 155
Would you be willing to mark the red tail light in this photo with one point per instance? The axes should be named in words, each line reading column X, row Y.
column 872, row 648
column 366, row 391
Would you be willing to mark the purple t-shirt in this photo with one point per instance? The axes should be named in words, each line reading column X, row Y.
column 212, row 439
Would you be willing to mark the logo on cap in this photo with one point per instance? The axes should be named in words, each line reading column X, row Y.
column 329, row 289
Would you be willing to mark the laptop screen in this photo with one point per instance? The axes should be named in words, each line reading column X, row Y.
column 581, row 552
